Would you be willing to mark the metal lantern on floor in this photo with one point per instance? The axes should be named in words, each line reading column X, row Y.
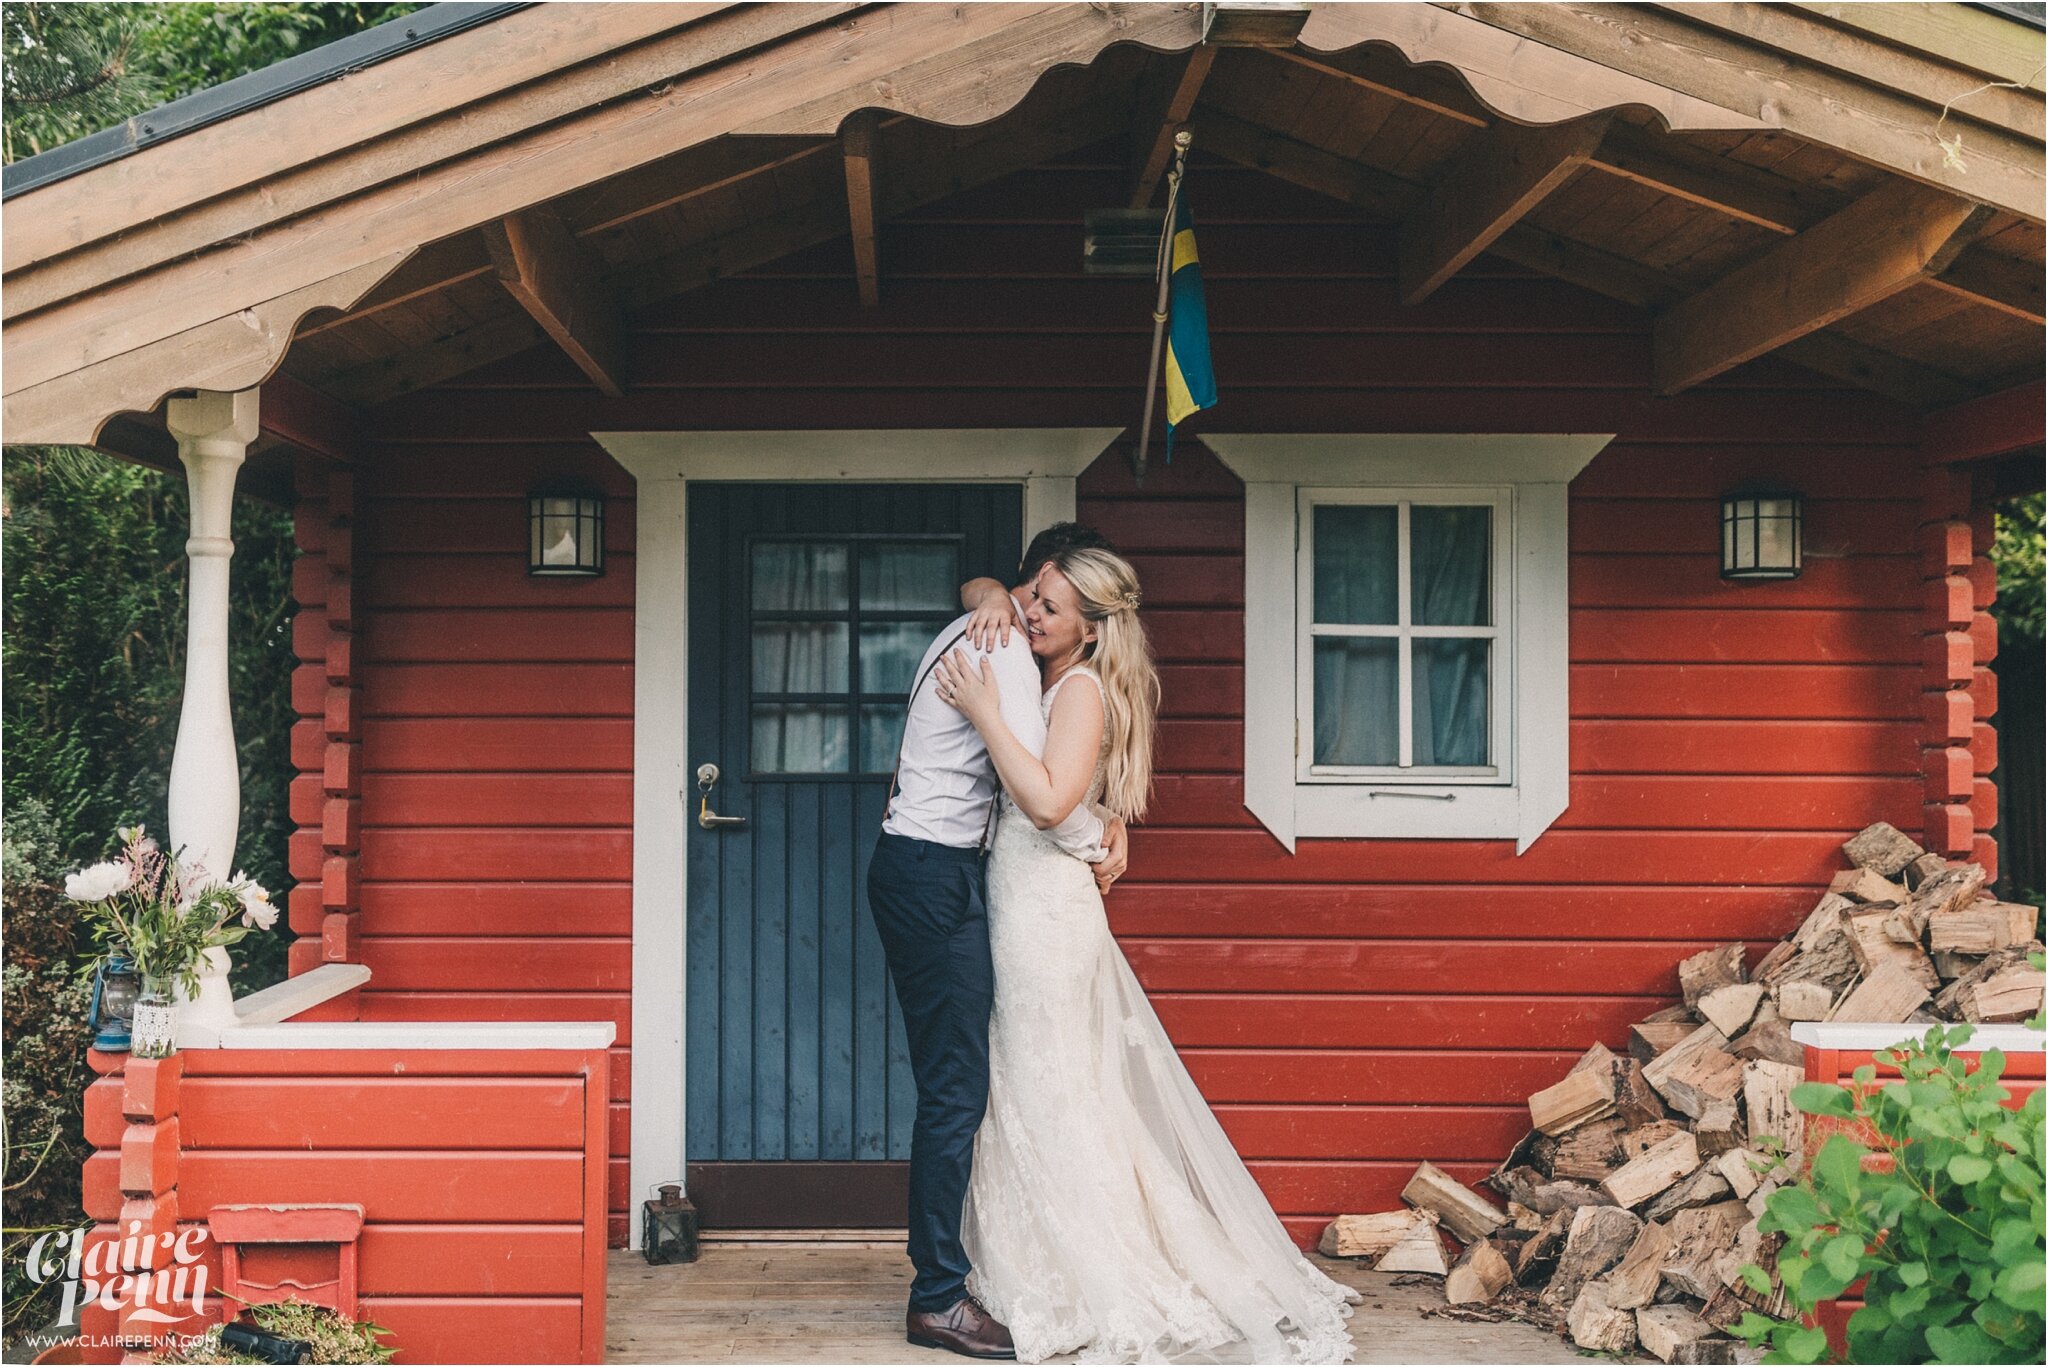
column 1761, row 534
column 114, row 989
column 565, row 537
column 668, row 1227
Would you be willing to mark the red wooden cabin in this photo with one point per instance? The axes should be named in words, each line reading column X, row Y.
column 796, row 294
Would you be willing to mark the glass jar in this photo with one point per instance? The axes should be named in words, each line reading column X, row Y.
column 154, row 1032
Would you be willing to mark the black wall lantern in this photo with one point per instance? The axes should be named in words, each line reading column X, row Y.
column 1760, row 534
column 566, row 533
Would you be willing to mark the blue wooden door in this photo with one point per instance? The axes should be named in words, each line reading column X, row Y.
column 810, row 605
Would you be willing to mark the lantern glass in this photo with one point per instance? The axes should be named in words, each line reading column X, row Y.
column 1761, row 535
column 113, row 1011
column 566, row 534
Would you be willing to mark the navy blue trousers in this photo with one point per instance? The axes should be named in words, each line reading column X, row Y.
column 930, row 905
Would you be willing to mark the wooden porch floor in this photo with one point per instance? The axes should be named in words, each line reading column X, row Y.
column 843, row 1303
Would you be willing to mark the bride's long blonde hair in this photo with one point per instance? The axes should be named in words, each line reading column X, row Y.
column 1121, row 656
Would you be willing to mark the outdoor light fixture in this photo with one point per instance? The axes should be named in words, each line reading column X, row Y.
column 566, row 536
column 1760, row 534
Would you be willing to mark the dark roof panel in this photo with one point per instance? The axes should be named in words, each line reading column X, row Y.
column 250, row 91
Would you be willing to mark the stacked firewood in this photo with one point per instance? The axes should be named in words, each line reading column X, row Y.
column 1633, row 1202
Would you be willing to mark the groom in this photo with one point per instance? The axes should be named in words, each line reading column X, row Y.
column 926, row 889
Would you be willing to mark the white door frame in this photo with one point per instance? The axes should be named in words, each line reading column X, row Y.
column 1045, row 460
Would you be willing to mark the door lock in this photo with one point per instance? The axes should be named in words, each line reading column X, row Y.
column 707, row 778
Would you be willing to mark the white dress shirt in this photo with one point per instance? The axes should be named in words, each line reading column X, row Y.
column 946, row 780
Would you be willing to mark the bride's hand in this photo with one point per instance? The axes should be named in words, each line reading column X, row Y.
column 993, row 620
column 972, row 691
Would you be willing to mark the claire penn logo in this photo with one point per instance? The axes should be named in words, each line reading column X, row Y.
column 142, row 1279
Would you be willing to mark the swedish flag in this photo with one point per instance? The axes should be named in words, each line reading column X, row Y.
column 1190, row 381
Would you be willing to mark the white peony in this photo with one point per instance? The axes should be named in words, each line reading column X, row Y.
column 257, row 908
column 99, row 882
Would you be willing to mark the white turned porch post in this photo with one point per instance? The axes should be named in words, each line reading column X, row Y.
column 214, row 430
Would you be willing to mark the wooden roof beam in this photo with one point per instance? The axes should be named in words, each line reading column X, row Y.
column 1487, row 189
column 1893, row 237
column 1152, row 151
column 857, row 145
column 541, row 265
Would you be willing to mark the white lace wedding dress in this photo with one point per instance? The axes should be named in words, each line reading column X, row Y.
column 1107, row 1212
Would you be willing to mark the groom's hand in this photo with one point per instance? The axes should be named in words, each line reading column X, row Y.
column 1117, row 840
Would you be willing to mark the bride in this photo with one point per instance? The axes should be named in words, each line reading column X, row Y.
column 1107, row 1212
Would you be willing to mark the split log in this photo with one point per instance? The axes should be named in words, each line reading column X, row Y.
column 1596, row 1325
column 1730, row 1009
column 1953, row 889
column 1368, row 1236
column 1643, row 1138
column 1663, row 1329
column 1949, row 966
column 1479, row 1274
column 1949, row 1001
column 1528, row 1187
column 1742, row 1169
column 1590, row 1151
column 1653, row 1171
column 1719, row 1127
column 1715, row 1352
column 1704, row 1186
column 1600, row 1237
column 1724, row 1309
column 2011, row 994
column 1420, row 1251
column 1767, row 1097
column 1670, row 1015
column 1695, row 1072
column 1890, row 993
column 1872, row 947
column 1871, row 889
column 1599, row 1056
column 1804, row 1000
column 1699, row 1237
column 1578, row 1098
column 1883, row 848
column 1770, row 1039
column 1635, row 1279
column 1647, row 1039
column 1752, row 1245
column 1980, row 927
column 1709, row 969
column 1463, row 1212
column 1916, row 874
column 1538, row 1253
column 1635, row 1101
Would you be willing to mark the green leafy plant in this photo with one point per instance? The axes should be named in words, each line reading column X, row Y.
column 164, row 915
column 332, row 1338
column 1941, row 1218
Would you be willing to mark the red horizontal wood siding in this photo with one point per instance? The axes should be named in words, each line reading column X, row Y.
column 1354, row 1007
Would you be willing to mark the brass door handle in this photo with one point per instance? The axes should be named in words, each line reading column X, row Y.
column 707, row 777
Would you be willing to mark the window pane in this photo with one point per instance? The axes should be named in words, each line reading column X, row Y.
column 800, row 576
column 889, row 652
column 909, row 576
column 1451, row 566
column 1357, row 581
column 1450, row 701
column 1357, row 701
column 881, row 727
column 799, row 738
column 800, row 657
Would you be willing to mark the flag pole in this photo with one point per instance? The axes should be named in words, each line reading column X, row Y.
column 1164, row 272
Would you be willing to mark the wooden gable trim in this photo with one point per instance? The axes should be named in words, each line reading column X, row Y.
column 541, row 265
column 1725, row 70
column 946, row 64
column 1895, row 236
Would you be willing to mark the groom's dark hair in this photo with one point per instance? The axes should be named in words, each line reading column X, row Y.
column 1056, row 541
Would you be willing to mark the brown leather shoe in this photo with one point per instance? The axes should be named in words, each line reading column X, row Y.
column 964, row 1328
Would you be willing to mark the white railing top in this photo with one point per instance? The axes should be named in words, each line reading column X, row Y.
column 1865, row 1038
column 264, row 1020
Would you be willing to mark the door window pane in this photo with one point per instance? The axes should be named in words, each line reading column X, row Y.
column 1357, row 701
column 1450, row 554
column 799, row 738
column 1450, row 692
column 800, row 657
column 881, row 728
column 800, row 576
column 889, row 652
column 909, row 576
column 1356, row 573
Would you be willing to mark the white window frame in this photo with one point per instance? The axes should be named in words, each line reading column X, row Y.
column 1499, row 699
column 1284, row 474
